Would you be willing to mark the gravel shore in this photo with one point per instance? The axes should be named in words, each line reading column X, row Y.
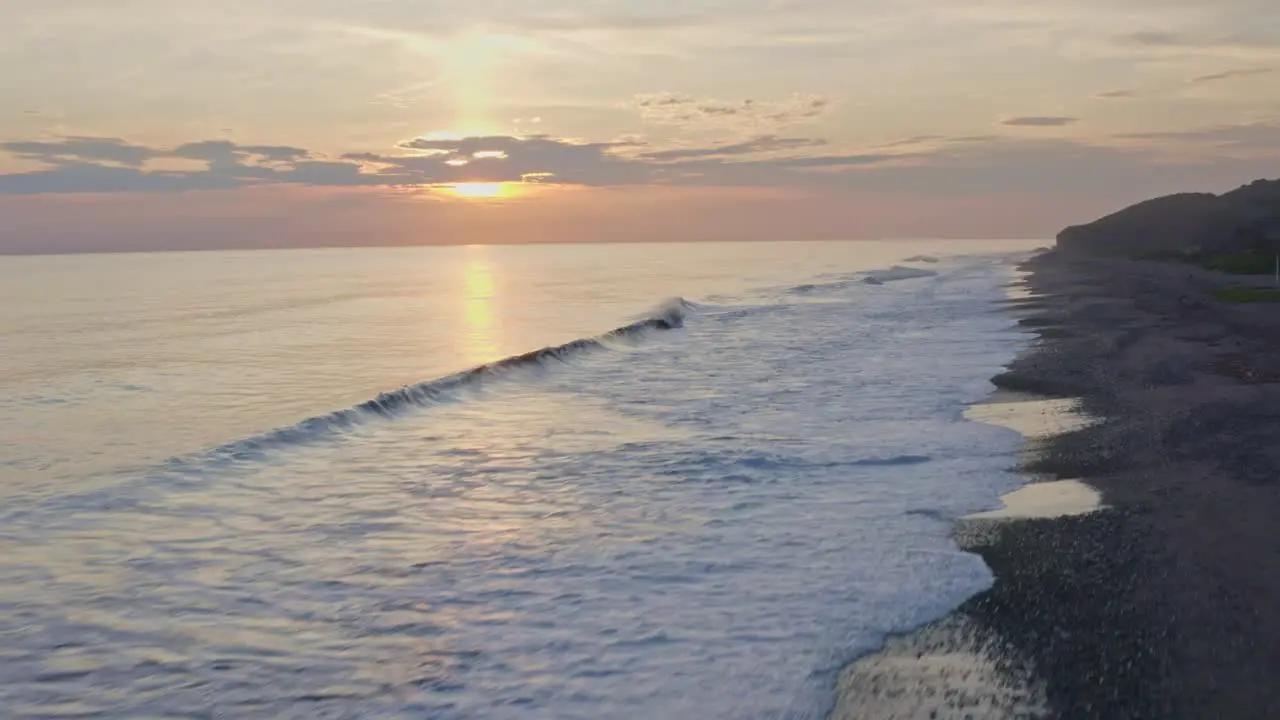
column 1163, row 606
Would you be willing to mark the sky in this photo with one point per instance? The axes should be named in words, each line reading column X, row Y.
column 155, row 124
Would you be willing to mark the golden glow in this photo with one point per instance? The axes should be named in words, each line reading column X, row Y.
column 469, row 67
column 478, row 311
column 443, row 135
column 482, row 190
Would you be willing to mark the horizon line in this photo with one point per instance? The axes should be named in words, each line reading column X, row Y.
column 402, row 246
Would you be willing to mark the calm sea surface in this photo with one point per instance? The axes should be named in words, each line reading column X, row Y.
column 276, row 485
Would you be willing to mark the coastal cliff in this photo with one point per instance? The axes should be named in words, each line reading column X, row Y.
column 1244, row 220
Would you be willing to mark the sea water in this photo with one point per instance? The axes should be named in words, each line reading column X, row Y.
column 608, row 481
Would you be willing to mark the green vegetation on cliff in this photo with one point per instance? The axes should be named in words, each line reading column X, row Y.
column 1244, row 263
column 1247, row 295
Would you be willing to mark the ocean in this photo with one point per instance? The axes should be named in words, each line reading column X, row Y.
column 348, row 484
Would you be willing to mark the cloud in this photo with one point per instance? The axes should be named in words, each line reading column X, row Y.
column 763, row 144
column 1262, row 137
column 926, row 164
column 77, row 149
column 505, row 158
column 541, row 19
column 225, row 151
column 839, row 161
column 439, row 161
column 679, row 109
column 1154, row 39
column 1040, row 121
column 911, row 141
column 1176, row 87
column 1227, row 74
column 86, row 164
column 1201, row 41
column 614, row 22
column 502, row 143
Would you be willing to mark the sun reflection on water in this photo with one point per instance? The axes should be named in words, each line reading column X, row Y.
column 478, row 308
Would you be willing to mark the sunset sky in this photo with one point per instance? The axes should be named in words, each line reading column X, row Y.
column 155, row 124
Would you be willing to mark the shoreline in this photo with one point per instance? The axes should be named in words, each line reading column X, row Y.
column 1163, row 605
column 973, row 662
column 962, row 665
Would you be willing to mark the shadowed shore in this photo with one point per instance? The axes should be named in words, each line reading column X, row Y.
column 1163, row 606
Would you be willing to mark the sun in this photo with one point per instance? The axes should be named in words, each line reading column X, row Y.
column 480, row 190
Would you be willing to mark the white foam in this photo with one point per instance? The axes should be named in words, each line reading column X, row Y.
column 896, row 273
column 968, row 678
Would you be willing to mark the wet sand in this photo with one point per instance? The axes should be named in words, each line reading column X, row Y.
column 1164, row 604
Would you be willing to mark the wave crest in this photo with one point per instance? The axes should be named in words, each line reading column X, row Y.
column 872, row 277
column 669, row 315
column 899, row 272
column 893, row 461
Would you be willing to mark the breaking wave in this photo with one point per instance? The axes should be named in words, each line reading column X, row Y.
column 669, row 315
column 899, row 272
column 893, row 461
column 873, row 277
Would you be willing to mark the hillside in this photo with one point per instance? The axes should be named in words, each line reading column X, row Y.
column 1246, row 219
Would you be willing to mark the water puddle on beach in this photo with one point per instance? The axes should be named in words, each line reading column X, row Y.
column 1045, row 500
column 1037, row 418
column 1033, row 416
